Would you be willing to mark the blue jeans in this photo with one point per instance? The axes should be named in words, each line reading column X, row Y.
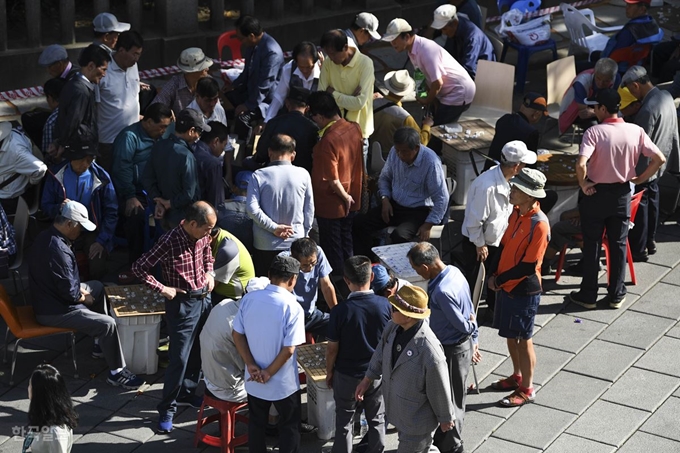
column 317, row 322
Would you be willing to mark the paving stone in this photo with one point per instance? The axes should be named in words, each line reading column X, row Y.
column 490, row 341
column 478, row 427
column 104, row 443
column 608, row 423
column 602, row 313
column 143, row 406
column 660, row 301
column 133, row 428
column 89, row 416
column 12, row 444
column 178, row 441
column 546, row 424
column 641, row 389
column 565, row 334
column 649, row 443
column 567, row 443
column 636, row 329
column 647, row 274
column 98, row 393
column 673, row 277
column 662, row 357
column 664, row 422
column 571, row 392
column 548, row 362
column 591, row 360
column 551, row 304
column 13, row 410
column 494, row 445
column 487, row 400
column 674, row 332
column 668, row 250
column 490, row 361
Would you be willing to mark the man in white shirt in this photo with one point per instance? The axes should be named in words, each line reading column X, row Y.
column 488, row 208
column 207, row 101
column 118, row 94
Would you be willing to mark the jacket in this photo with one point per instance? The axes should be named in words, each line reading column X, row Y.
column 77, row 110
column 16, row 157
column 417, row 390
column 103, row 208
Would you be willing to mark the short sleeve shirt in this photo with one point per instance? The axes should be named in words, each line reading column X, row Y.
column 306, row 289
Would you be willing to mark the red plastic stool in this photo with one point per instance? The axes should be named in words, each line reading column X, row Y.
column 227, row 419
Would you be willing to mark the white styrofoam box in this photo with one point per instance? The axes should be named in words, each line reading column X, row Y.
column 321, row 408
column 567, row 198
column 139, row 337
column 461, row 170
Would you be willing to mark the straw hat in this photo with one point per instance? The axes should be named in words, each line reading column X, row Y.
column 411, row 301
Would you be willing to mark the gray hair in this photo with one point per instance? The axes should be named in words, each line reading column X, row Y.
column 407, row 136
column 199, row 212
column 423, row 253
column 606, row 67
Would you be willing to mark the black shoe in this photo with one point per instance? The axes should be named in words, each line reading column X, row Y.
column 306, row 428
column 271, row 430
column 651, row 248
column 577, row 298
column 641, row 258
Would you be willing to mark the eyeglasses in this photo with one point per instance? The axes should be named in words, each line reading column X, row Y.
column 308, row 266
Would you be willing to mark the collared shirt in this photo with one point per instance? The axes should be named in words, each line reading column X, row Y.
column 131, row 151
column 118, row 102
column 283, row 87
column 210, row 169
column 306, row 289
column 218, row 114
column 488, row 207
column 67, row 71
column 419, row 184
column 279, row 194
column 16, row 156
column 184, row 262
column 271, row 319
column 469, row 45
column 49, row 129
column 613, row 148
column 175, row 94
column 451, row 305
column 345, row 80
column 7, row 241
column 458, row 88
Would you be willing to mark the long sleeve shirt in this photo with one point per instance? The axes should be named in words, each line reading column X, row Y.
column 184, row 262
column 7, row 241
column 488, row 208
column 287, row 72
column 420, row 184
column 176, row 94
column 451, row 306
column 210, row 171
column 131, row 151
column 469, row 46
column 16, row 156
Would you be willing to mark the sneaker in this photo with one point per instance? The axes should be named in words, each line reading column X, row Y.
column 125, row 379
column 575, row 297
column 97, row 352
column 193, row 401
column 616, row 304
column 164, row 422
column 306, row 428
column 651, row 248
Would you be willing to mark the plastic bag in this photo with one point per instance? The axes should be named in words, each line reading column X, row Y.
column 531, row 33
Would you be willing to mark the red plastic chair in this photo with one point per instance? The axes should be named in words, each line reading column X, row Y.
column 634, row 204
column 228, row 39
column 227, row 419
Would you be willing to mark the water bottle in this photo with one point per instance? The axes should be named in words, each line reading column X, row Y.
column 364, row 425
column 421, row 89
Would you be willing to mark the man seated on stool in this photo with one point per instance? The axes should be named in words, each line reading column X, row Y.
column 61, row 300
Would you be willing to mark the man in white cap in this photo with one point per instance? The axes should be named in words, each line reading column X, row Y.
column 465, row 41
column 364, row 29
column 517, row 283
column 178, row 92
column 389, row 115
column 487, row 210
column 106, row 31
column 450, row 87
column 60, row 300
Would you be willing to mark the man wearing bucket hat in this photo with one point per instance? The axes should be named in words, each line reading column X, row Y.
column 517, row 282
column 389, row 115
column 411, row 362
column 178, row 92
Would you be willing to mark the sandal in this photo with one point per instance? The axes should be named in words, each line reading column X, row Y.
column 509, row 383
column 516, row 399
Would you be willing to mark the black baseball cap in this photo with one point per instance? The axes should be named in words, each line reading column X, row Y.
column 285, row 264
column 608, row 97
column 536, row 101
column 299, row 94
column 192, row 118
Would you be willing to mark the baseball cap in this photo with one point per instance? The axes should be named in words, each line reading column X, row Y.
column 75, row 211
column 395, row 28
column 368, row 22
column 608, row 97
column 633, row 74
column 536, row 101
column 380, row 278
column 285, row 264
column 107, row 22
column 52, row 54
column 517, row 151
column 299, row 94
column 81, row 147
column 192, row 118
column 531, row 182
column 443, row 16
column 243, row 179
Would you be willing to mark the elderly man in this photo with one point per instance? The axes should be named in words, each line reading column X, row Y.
column 61, row 300
column 588, row 83
column 187, row 268
column 656, row 116
column 606, row 167
column 56, row 62
column 363, row 30
column 453, row 322
column 415, row 379
column 413, row 194
column 280, row 202
column 465, row 41
column 517, row 280
column 354, row 332
column 267, row 330
column 450, row 87
column 107, row 30
column 178, row 92
column 207, row 101
column 337, row 177
column 209, row 152
column 233, row 265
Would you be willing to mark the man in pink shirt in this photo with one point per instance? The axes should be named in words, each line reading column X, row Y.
column 451, row 89
column 605, row 171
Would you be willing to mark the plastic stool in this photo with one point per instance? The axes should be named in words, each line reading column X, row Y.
column 227, row 419
column 524, row 53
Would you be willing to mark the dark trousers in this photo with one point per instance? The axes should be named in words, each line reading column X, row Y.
column 33, row 123
column 647, row 218
column 608, row 208
column 289, row 423
column 105, row 159
column 335, row 236
column 9, row 205
column 458, row 360
column 407, row 221
column 445, row 114
column 471, row 267
column 262, row 259
column 317, row 323
column 185, row 317
column 662, row 66
column 134, row 229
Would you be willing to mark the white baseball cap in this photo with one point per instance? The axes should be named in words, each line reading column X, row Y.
column 368, row 22
column 443, row 16
column 75, row 211
column 516, row 151
column 395, row 28
column 107, row 22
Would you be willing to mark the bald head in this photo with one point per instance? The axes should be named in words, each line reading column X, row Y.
column 201, row 212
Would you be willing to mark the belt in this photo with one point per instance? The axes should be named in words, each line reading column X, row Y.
column 198, row 293
column 460, row 342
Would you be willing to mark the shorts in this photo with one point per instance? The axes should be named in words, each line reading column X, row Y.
column 514, row 315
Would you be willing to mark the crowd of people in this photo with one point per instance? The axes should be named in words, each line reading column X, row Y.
column 258, row 256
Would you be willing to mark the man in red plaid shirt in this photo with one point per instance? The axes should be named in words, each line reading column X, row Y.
column 187, row 264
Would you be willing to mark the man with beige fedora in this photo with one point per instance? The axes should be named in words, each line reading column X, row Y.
column 389, row 115
column 180, row 90
column 412, row 364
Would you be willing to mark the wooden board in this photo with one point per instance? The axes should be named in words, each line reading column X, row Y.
column 134, row 300
column 462, row 143
column 312, row 359
column 559, row 169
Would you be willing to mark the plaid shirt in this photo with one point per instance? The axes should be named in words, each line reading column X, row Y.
column 175, row 94
column 48, row 130
column 7, row 241
column 184, row 262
